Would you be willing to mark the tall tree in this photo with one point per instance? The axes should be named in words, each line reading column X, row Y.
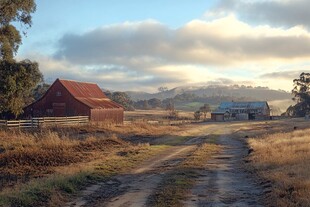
column 17, row 79
column 301, row 92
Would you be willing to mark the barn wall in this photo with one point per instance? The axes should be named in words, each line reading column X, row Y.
column 57, row 102
column 112, row 115
column 243, row 116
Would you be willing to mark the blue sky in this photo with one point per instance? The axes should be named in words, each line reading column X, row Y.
column 141, row 45
column 55, row 18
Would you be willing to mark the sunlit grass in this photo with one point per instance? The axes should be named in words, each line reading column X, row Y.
column 284, row 159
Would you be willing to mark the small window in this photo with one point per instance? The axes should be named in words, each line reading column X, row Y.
column 58, row 93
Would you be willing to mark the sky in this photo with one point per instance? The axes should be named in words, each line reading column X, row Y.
column 141, row 45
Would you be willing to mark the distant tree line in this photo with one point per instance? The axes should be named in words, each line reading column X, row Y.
column 184, row 98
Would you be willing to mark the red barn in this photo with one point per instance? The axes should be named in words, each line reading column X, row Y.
column 72, row 98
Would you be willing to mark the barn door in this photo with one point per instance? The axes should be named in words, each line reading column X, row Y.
column 59, row 109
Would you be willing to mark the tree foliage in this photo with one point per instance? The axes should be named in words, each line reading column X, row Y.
column 197, row 115
column 154, row 103
column 13, row 11
column 121, row 98
column 162, row 89
column 172, row 112
column 40, row 90
column 301, row 92
column 17, row 79
column 205, row 109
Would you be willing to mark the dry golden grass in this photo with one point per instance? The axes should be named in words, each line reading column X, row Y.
column 42, row 167
column 157, row 115
column 127, row 131
column 26, row 155
column 36, row 153
column 284, row 159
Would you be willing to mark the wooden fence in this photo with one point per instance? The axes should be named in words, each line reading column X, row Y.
column 45, row 121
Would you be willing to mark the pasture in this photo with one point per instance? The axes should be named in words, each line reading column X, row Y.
column 52, row 166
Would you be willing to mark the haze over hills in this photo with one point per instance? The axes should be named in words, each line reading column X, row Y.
column 278, row 100
column 252, row 93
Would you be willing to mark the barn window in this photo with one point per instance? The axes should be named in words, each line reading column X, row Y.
column 58, row 93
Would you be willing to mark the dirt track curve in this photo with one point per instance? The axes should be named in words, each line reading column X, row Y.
column 222, row 183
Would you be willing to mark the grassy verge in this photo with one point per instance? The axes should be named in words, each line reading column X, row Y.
column 175, row 185
column 56, row 189
column 283, row 160
column 45, row 168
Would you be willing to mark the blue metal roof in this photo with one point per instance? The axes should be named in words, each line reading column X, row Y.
column 243, row 105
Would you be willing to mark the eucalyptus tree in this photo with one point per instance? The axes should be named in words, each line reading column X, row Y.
column 301, row 92
column 17, row 78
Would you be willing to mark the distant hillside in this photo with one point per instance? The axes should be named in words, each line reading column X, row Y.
column 257, row 93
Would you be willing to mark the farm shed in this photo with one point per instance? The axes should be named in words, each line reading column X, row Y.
column 245, row 110
column 220, row 115
column 73, row 98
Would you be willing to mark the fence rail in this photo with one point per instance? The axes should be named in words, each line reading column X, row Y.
column 45, row 121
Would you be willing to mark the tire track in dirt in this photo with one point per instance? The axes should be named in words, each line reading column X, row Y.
column 133, row 189
column 225, row 182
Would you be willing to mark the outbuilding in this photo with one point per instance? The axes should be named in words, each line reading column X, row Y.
column 73, row 98
column 259, row 110
column 220, row 115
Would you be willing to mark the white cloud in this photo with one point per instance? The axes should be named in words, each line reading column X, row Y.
column 219, row 42
column 144, row 55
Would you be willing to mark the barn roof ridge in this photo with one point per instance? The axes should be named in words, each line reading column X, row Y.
column 82, row 89
column 62, row 79
column 89, row 94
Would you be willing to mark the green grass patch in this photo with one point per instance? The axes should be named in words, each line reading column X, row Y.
column 174, row 187
column 175, row 140
column 41, row 192
column 189, row 106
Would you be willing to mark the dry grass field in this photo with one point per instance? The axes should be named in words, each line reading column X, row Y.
column 45, row 167
column 155, row 115
column 48, row 167
column 283, row 161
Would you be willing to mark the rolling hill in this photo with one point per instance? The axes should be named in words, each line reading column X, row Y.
column 256, row 93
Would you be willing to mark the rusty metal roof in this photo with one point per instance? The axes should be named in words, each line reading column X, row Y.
column 102, row 103
column 89, row 93
column 82, row 89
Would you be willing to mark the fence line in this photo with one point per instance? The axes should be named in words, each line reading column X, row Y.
column 45, row 121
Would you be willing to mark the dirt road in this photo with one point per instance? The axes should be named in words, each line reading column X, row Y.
column 133, row 189
column 222, row 183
